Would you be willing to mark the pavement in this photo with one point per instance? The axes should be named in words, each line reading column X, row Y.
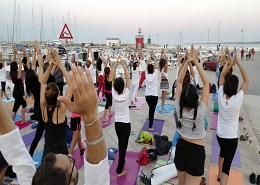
column 250, row 111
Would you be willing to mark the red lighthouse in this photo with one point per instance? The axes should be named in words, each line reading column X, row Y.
column 139, row 40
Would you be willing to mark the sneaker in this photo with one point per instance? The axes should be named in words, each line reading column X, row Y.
column 258, row 180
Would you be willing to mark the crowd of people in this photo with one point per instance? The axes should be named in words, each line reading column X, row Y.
column 44, row 81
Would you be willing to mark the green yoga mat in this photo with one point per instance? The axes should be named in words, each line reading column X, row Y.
column 215, row 109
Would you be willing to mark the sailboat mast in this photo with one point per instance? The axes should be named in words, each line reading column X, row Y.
column 14, row 22
column 75, row 29
column 41, row 32
column 19, row 23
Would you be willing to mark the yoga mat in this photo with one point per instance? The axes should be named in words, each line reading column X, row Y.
column 214, row 121
column 131, row 166
column 37, row 158
column 138, row 104
column 110, row 119
column 157, row 125
column 175, row 138
column 215, row 153
column 79, row 158
column 141, row 89
column 8, row 101
column 215, row 109
column 10, row 106
column 17, row 117
column 101, row 105
column 21, row 126
column 235, row 177
column 168, row 109
column 28, row 138
column 28, row 110
column 30, row 101
column 215, row 96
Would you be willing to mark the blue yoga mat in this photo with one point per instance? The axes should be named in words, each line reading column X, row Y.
column 38, row 158
column 168, row 109
column 157, row 125
column 28, row 138
column 8, row 101
column 17, row 117
column 215, row 96
column 216, row 150
column 175, row 138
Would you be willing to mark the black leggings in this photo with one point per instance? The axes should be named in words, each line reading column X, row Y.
column 39, row 131
column 109, row 100
column 123, row 132
column 227, row 151
column 152, row 102
column 18, row 102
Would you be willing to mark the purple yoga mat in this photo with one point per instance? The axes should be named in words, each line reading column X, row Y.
column 131, row 166
column 138, row 104
column 214, row 122
column 157, row 125
column 215, row 153
column 79, row 158
column 28, row 138
column 110, row 119
column 21, row 126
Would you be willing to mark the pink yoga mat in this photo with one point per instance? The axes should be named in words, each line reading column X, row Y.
column 131, row 166
column 110, row 119
column 79, row 158
column 21, row 126
column 214, row 121
column 138, row 104
column 215, row 153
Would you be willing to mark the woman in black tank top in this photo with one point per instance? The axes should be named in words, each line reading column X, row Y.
column 53, row 112
column 18, row 92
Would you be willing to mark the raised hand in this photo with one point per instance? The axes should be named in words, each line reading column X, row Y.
column 84, row 93
column 35, row 45
column 15, row 48
column 56, row 58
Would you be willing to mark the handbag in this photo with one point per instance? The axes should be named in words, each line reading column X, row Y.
column 162, row 146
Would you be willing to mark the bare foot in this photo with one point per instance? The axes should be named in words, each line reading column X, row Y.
column 135, row 100
column 132, row 103
column 151, row 129
column 124, row 172
column 163, row 108
column 110, row 115
column 23, row 122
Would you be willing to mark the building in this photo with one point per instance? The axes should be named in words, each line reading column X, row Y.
column 149, row 40
column 113, row 42
column 139, row 40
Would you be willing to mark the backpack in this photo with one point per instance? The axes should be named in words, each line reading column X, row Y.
column 143, row 158
column 213, row 88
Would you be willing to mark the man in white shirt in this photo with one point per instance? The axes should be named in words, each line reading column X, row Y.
column 60, row 169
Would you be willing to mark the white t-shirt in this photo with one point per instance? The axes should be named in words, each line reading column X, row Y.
column 151, row 83
column 121, row 106
column 228, row 114
column 135, row 74
column 143, row 65
column 3, row 75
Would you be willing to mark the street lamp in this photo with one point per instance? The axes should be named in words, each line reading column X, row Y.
column 157, row 34
column 242, row 31
column 181, row 37
column 207, row 33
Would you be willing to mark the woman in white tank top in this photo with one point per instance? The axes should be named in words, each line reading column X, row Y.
column 135, row 79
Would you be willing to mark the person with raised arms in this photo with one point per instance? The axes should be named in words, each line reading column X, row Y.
column 59, row 169
column 164, row 85
column 190, row 152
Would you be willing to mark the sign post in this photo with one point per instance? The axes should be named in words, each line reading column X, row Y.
column 66, row 34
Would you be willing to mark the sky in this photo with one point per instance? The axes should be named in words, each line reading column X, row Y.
column 96, row 20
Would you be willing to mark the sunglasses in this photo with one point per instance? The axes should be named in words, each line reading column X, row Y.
column 73, row 161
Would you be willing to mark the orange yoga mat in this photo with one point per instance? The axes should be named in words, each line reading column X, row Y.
column 235, row 177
